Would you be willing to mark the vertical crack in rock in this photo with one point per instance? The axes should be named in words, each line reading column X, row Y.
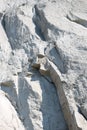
column 40, row 22
column 37, row 28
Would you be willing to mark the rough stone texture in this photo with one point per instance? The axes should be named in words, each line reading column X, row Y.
column 43, row 65
column 8, row 116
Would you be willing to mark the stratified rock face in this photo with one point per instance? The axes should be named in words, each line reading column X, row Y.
column 43, row 65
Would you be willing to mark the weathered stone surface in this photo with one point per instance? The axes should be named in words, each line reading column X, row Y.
column 8, row 116
column 43, row 44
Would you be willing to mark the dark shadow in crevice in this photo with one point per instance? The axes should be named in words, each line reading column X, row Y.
column 3, row 23
column 39, row 33
column 79, row 110
column 77, row 20
column 37, row 29
column 36, row 18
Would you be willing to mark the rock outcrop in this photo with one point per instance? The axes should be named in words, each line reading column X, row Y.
column 43, row 65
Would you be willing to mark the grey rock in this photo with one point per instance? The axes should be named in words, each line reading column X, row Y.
column 43, row 65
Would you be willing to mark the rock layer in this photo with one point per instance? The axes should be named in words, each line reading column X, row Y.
column 43, row 59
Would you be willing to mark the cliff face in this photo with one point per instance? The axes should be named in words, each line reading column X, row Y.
column 43, row 65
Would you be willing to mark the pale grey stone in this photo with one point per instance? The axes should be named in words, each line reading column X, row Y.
column 43, row 64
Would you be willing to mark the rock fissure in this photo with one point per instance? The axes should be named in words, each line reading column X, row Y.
column 76, row 18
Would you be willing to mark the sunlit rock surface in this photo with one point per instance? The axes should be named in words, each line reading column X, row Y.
column 43, row 65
